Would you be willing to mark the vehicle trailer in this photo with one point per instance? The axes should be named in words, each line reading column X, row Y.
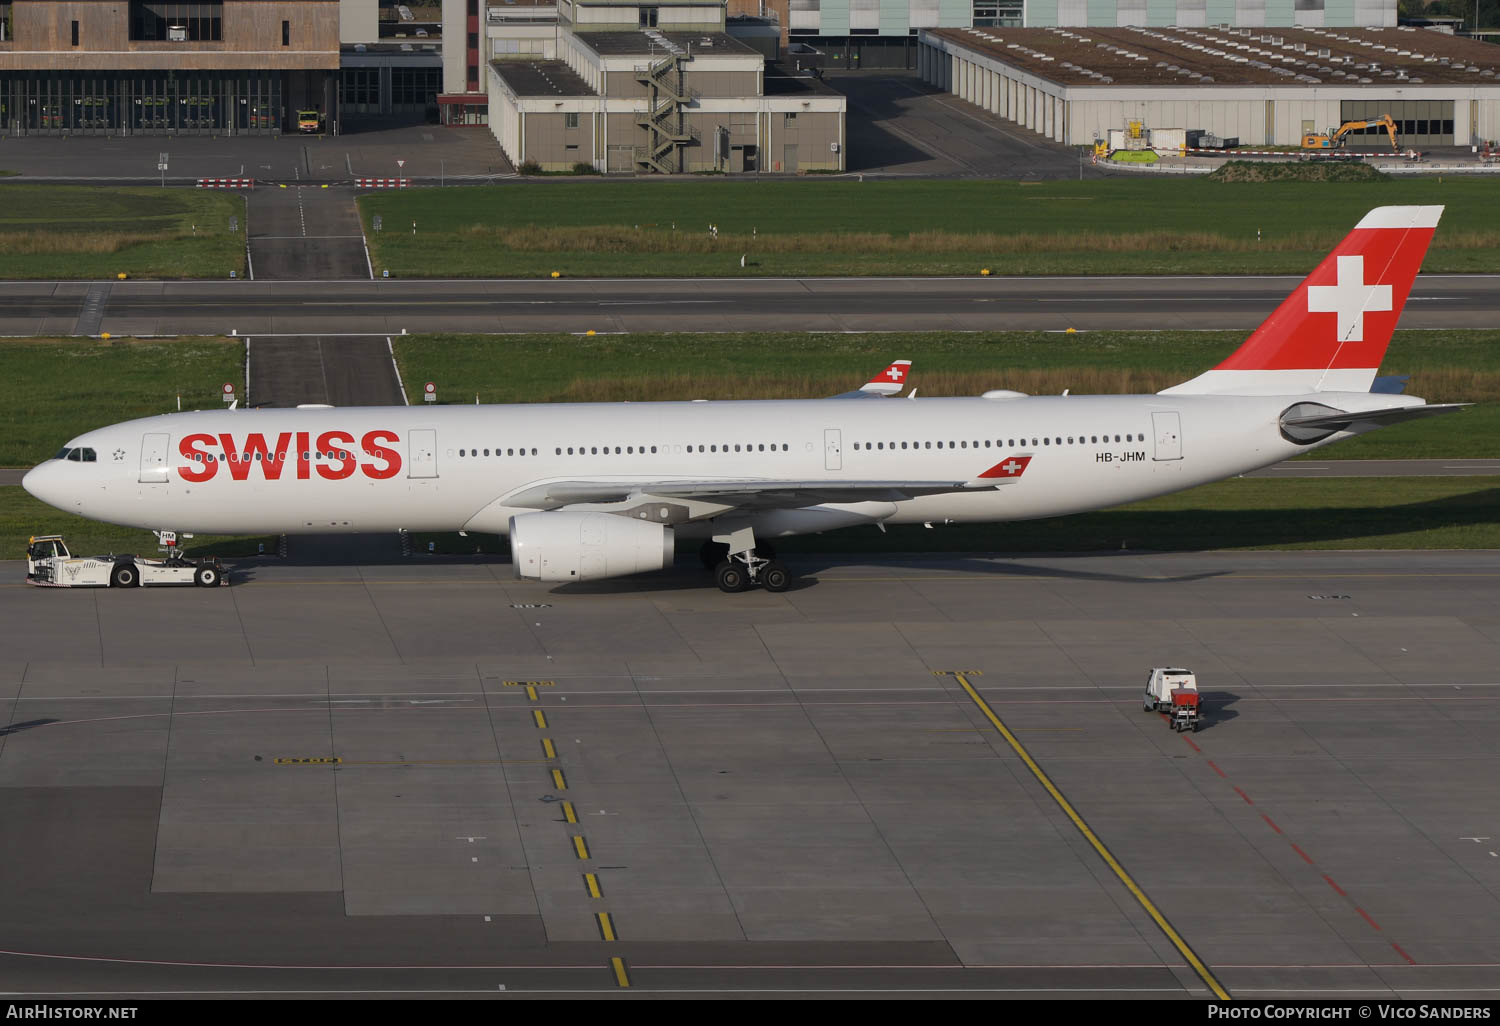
column 1174, row 692
column 49, row 564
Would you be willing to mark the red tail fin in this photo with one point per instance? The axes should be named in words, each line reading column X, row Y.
column 1331, row 333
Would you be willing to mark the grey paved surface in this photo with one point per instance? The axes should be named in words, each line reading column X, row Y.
column 712, row 304
column 1291, row 468
column 430, row 151
column 293, row 370
column 898, row 124
column 775, row 792
column 305, row 233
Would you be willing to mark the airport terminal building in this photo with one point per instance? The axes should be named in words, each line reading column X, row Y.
column 150, row 67
column 1265, row 87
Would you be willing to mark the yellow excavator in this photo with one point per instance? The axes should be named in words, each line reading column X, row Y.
column 1336, row 139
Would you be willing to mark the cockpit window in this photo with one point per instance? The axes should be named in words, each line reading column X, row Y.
column 88, row 455
column 63, row 453
column 80, row 454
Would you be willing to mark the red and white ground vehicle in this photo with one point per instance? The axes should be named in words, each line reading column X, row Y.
column 49, row 564
column 1174, row 692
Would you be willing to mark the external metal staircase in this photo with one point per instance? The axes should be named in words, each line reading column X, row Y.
column 665, row 100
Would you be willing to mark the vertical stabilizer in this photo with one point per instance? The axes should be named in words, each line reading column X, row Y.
column 1331, row 333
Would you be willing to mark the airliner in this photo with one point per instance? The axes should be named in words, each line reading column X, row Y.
column 600, row 490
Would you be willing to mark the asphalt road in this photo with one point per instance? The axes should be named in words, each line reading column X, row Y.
column 305, row 233
column 701, row 304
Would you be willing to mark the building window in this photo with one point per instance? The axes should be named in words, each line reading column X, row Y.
column 647, row 17
column 5, row 35
column 75, row 33
column 570, row 119
column 286, row 33
column 153, row 20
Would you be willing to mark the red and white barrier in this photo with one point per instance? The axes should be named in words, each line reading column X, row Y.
column 381, row 183
column 226, row 183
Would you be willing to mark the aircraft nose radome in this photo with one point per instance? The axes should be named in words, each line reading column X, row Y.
column 41, row 482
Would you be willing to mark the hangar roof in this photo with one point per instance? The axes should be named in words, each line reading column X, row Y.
column 659, row 44
column 541, row 78
column 1140, row 55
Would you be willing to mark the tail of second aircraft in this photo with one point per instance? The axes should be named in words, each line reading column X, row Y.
column 1331, row 333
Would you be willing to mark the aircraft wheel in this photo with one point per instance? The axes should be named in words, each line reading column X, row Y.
column 731, row 577
column 124, row 575
column 712, row 554
column 774, row 577
column 206, row 576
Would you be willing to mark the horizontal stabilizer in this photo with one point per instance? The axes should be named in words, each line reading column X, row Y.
column 1390, row 415
column 1309, row 422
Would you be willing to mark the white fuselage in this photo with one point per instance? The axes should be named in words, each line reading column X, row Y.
column 452, row 467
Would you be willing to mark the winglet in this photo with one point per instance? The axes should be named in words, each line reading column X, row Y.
column 1007, row 470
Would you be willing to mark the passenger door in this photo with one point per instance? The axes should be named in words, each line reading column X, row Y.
column 421, row 452
column 1168, row 428
column 154, row 459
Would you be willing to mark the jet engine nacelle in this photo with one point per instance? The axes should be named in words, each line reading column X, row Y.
column 586, row 546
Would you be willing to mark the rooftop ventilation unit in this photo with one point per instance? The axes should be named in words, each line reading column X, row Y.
column 1323, row 53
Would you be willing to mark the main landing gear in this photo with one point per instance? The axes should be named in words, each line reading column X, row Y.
column 739, row 563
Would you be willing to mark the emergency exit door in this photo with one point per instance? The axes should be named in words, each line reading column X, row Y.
column 154, row 459
column 833, row 449
column 421, row 452
column 1168, row 427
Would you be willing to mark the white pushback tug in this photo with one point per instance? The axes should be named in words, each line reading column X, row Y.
column 49, row 564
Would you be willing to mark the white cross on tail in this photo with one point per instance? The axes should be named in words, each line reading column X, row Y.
column 1351, row 298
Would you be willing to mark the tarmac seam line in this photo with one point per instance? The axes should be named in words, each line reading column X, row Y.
column 1135, row 890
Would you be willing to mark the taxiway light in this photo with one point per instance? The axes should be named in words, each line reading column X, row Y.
column 557, row 274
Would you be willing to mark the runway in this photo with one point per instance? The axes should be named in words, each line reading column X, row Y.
column 425, row 777
column 382, row 307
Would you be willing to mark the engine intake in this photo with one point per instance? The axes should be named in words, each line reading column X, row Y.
column 586, row 546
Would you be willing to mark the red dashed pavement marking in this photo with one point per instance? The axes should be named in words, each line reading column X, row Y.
column 1305, row 857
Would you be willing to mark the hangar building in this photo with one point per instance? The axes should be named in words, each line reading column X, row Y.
column 625, row 86
column 152, row 67
column 1263, row 86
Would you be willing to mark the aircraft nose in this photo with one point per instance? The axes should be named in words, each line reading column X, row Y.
column 41, row 481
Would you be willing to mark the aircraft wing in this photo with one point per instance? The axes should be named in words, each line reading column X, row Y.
column 754, row 493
